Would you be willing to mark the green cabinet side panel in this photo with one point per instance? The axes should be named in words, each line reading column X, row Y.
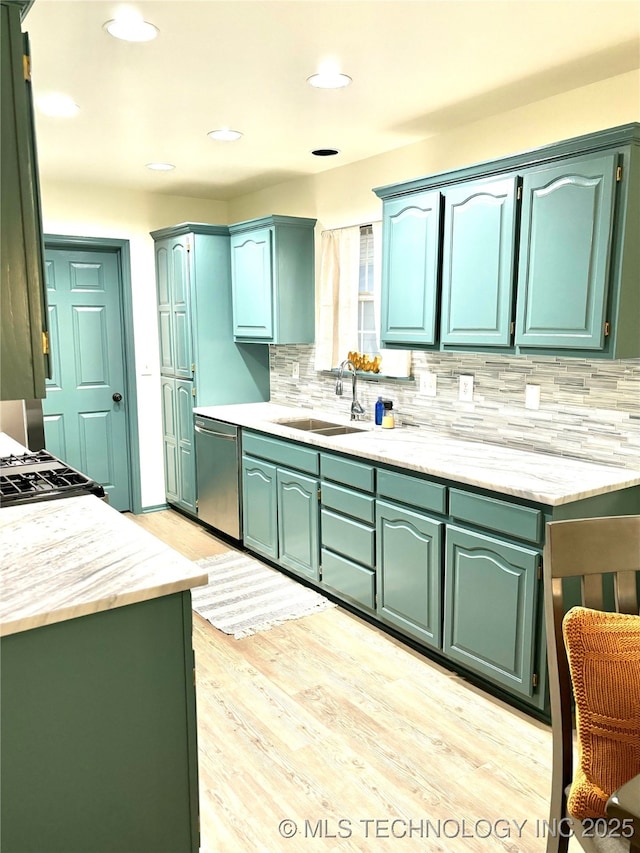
column 298, row 529
column 23, row 303
column 252, row 273
column 478, row 262
column 563, row 276
column 491, row 591
column 98, row 731
column 409, row 557
column 259, row 507
column 410, row 258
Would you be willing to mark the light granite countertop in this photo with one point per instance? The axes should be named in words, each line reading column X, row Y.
column 538, row 477
column 65, row 558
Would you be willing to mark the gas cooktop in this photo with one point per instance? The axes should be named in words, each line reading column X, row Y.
column 26, row 477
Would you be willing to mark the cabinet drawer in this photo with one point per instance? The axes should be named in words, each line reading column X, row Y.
column 281, row 452
column 348, row 537
column 348, row 579
column 413, row 491
column 348, row 473
column 521, row 522
column 349, row 502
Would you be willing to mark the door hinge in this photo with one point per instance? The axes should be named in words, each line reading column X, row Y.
column 539, row 570
column 319, row 495
column 534, row 679
column 45, row 343
column 519, row 193
column 26, row 67
column 607, row 329
column 193, row 368
column 618, row 174
column 513, row 327
column 188, row 245
column 193, row 392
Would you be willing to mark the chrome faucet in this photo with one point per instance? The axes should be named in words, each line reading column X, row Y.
column 357, row 410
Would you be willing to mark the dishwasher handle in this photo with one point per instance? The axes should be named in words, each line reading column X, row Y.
column 206, row 430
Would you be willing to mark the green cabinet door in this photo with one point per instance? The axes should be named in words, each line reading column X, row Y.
column 478, row 262
column 174, row 311
column 563, row 273
column 185, row 402
column 24, row 364
column 490, row 608
column 409, row 290
column 298, row 535
column 259, row 507
column 251, row 271
column 409, row 557
column 169, row 437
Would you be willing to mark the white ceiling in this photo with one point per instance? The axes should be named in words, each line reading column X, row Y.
column 418, row 68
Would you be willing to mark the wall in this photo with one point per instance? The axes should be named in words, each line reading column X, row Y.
column 343, row 196
column 96, row 211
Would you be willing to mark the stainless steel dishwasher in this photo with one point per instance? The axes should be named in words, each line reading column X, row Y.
column 218, row 475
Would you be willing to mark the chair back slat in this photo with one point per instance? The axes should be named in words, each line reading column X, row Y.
column 626, row 592
column 592, row 591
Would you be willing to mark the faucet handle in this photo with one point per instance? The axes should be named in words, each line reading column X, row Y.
column 339, row 387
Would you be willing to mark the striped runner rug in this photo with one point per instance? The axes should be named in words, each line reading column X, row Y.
column 244, row 596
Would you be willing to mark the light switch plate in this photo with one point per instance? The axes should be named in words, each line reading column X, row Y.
column 428, row 384
column 466, row 388
column 532, row 396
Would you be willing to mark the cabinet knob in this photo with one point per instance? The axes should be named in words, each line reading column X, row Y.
column 116, row 397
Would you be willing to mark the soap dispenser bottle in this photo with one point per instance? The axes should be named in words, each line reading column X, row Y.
column 379, row 412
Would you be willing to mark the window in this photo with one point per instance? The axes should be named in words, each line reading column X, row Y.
column 368, row 334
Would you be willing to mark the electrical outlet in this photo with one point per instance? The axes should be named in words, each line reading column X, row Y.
column 532, row 396
column 295, row 370
column 466, row 388
column 428, row 384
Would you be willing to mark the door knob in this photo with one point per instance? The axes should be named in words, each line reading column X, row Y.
column 116, row 397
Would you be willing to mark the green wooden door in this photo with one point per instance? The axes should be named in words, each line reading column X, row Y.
column 259, row 507
column 165, row 308
column 185, row 401
column 409, row 559
column 563, row 273
column 170, row 437
column 252, row 282
column 179, row 272
column 298, row 511
column 490, row 607
column 478, row 262
column 411, row 231
column 84, row 422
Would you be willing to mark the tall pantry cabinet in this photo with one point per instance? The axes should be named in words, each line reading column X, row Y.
column 200, row 364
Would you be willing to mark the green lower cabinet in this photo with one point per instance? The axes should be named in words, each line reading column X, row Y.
column 298, row 534
column 98, row 729
column 409, row 560
column 259, row 507
column 178, row 443
column 490, row 605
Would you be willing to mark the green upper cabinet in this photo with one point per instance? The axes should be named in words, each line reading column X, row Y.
column 24, row 339
column 539, row 252
column 174, row 313
column 567, row 224
column 410, row 259
column 273, row 280
column 478, row 262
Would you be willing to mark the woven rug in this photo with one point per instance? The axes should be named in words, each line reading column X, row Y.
column 244, row 596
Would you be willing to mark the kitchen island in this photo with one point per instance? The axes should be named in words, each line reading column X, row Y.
column 98, row 724
column 435, row 539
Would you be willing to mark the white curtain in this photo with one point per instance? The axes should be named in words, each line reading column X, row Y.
column 337, row 297
column 337, row 300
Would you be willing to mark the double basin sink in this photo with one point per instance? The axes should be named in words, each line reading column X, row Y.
column 320, row 427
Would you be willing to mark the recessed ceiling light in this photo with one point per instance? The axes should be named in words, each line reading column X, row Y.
column 328, row 76
column 224, row 134
column 58, row 105
column 325, row 152
column 160, row 167
column 129, row 26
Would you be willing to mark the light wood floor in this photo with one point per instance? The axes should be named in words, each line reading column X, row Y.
column 331, row 724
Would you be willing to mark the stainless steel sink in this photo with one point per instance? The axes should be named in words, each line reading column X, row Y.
column 320, row 427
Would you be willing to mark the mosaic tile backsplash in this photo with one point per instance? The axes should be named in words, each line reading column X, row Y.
column 589, row 409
